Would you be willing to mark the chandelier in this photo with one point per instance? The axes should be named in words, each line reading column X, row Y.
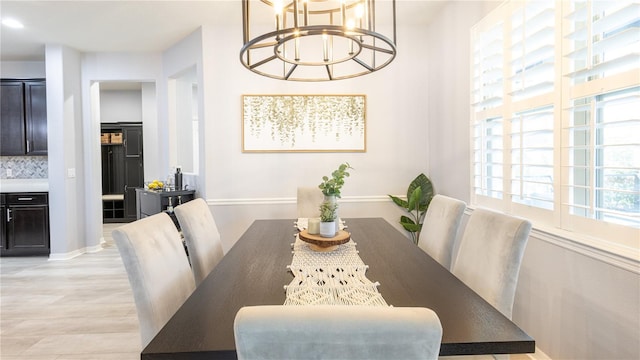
column 317, row 40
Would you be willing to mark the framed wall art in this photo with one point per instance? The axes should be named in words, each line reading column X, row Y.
column 303, row 123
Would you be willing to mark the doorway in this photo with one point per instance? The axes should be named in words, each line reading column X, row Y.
column 125, row 107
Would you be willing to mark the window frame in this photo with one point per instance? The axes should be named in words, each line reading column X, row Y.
column 615, row 238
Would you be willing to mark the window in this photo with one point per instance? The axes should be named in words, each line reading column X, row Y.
column 556, row 115
column 604, row 176
column 532, row 162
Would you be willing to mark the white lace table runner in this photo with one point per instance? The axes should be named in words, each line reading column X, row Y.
column 331, row 278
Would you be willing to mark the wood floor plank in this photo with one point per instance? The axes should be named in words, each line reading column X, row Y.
column 74, row 309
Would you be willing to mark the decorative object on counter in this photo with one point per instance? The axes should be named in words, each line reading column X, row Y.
column 332, row 187
column 419, row 195
column 324, row 243
column 155, row 185
column 336, row 277
column 328, row 217
column 313, row 226
column 318, row 40
column 304, row 123
column 178, row 178
column 170, row 206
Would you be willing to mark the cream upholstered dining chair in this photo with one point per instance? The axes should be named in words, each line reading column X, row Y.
column 490, row 254
column 158, row 270
column 336, row 332
column 201, row 236
column 440, row 228
column 309, row 200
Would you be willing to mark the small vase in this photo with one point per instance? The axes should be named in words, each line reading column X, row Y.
column 328, row 229
column 332, row 199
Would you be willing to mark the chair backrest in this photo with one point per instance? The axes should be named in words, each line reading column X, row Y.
column 201, row 236
column 158, row 270
column 490, row 254
column 440, row 228
column 336, row 332
column 309, row 200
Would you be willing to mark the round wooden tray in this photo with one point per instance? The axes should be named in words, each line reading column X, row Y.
column 319, row 243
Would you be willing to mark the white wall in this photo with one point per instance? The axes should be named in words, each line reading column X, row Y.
column 178, row 61
column 22, row 69
column 242, row 187
column 120, row 106
column 68, row 228
column 96, row 67
column 577, row 303
column 150, row 131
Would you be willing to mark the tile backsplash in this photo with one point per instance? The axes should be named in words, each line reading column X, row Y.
column 24, row 167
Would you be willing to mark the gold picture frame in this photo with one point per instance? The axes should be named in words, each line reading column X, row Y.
column 304, row 123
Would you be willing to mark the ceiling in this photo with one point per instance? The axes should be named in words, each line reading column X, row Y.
column 133, row 26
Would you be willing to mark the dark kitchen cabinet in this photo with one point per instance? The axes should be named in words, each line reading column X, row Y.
column 3, row 222
column 122, row 170
column 133, row 167
column 35, row 96
column 25, row 224
column 23, row 124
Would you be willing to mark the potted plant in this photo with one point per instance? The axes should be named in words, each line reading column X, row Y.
column 419, row 195
column 328, row 217
column 331, row 186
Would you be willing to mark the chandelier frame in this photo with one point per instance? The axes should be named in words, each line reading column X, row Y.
column 370, row 50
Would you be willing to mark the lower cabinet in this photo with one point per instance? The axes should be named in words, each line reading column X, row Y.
column 151, row 202
column 25, row 225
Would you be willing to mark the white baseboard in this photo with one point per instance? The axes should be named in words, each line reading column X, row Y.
column 72, row 254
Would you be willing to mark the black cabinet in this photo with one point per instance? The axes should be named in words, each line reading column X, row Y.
column 133, row 167
column 122, row 170
column 35, row 96
column 3, row 223
column 23, row 118
column 12, row 125
column 25, row 229
column 151, row 202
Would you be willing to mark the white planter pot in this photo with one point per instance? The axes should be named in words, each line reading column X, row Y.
column 328, row 229
column 332, row 199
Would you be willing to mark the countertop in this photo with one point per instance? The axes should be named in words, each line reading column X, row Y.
column 24, row 185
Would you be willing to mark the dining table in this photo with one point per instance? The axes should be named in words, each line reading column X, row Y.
column 254, row 272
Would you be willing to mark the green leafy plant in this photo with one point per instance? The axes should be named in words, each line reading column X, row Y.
column 328, row 211
column 419, row 195
column 331, row 186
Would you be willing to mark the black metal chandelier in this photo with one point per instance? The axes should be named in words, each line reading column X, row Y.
column 318, row 40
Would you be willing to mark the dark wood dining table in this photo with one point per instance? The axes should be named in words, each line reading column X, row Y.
column 254, row 272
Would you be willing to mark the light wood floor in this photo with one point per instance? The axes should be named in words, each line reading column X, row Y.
column 75, row 309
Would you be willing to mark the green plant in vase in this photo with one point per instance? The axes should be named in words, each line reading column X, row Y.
column 419, row 195
column 331, row 186
column 328, row 216
column 328, row 211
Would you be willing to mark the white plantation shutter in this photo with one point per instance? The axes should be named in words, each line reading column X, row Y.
column 556, row 115
column 489, row 158
column 532, row 158
column 603, row 171
column 488, row 69
column 603, row 39
column 532, row 49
